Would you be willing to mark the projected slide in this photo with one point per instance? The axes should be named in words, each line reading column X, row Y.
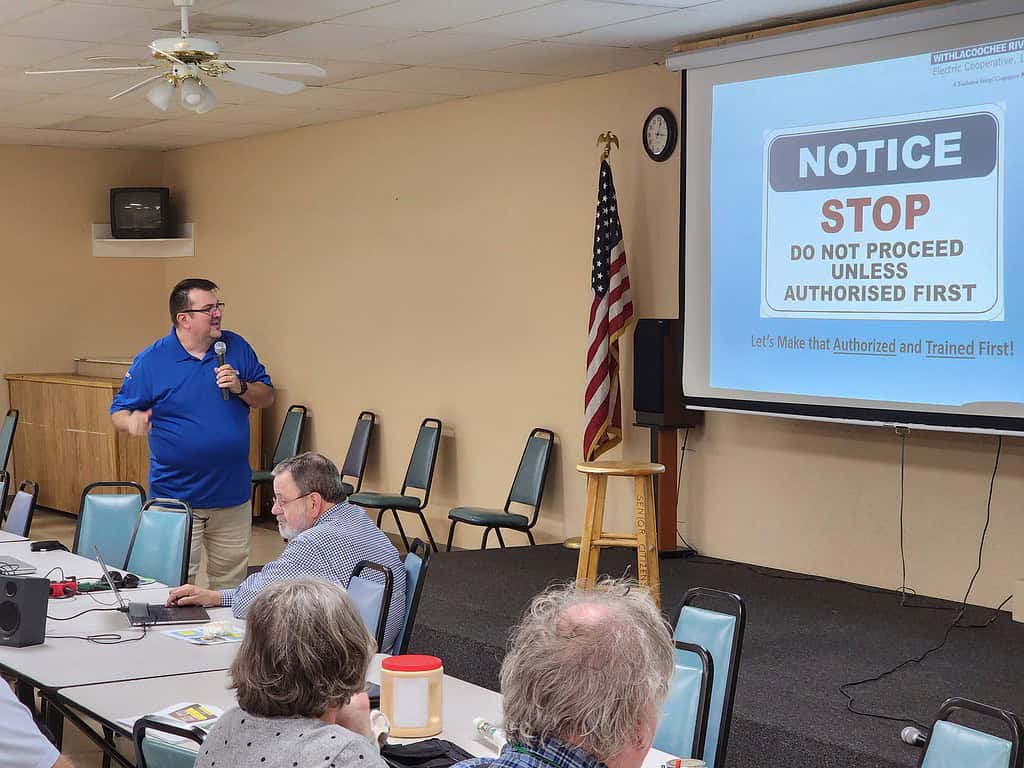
column 864, row 231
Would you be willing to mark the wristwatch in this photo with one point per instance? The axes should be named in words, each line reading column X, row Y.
column 245, row 386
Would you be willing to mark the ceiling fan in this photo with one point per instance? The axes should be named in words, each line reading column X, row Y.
column 185, row 61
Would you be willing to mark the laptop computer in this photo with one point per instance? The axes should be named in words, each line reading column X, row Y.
column 12, row 566
column 147, row 614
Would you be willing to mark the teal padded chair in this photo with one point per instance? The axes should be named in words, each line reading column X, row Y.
column 954, row 746
column 107, row 520
column 372, row 597
column 161, row 541
column 23, row 507
column 154, row 753
column 527, row 489
column 416, row 561
column 7, row 437
column 684, row 716
column 289, row 442
column 358, row 450
column 419, row 475
column 721, row 635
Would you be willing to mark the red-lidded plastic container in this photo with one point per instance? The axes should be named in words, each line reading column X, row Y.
column 410, row 694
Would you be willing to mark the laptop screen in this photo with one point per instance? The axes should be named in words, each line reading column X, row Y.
column 110, row 581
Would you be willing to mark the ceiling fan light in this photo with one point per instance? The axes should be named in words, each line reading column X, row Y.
column 160, row 95
column 191, row 92
column 208, row 100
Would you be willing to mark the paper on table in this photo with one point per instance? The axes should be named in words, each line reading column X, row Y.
column 212, row 634
column 184, row 714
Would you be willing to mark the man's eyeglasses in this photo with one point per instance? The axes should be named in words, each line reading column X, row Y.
column 282, row 503
column 209, row 309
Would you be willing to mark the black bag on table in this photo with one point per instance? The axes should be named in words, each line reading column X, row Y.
column 430, row 753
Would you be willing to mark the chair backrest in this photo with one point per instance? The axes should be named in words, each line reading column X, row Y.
column 289, row 440
column 528, row 484
column 155, row 753
column 161, row 541
column 5, row 485
column 684, row 717
column 107, row 520
column 420, row 472
column 359, row 448
column 721, row 634
column 952, row 745
column 416, row 561
column 372, row 598
column 19, row 516
column 7, row 437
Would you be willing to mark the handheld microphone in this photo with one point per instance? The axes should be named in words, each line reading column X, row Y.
column 221, row 350
column 913, row 736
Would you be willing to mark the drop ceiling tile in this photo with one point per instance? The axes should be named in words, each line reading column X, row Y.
column 324, row 40
column 31, row 53
column 96, row 23
column 386, row 101
column 159, row 5
column 11, row 99
column 75, row 103
column 321, row 116
column 659, row 32
column 12, row 79
column 312, row 97
column 16, row 118
column 561, row 18
column 670, row 3
column 430, row 15
column 337, row 71
column 306, row 10
column 262, row 114
column 562, row 59
column 9, row 11
column 98, row 123
column 457, row 82
column 431, row 46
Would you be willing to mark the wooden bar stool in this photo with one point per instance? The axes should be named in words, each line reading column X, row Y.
column 645, row 535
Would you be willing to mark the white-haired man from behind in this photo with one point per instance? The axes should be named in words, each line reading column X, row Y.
column 584, row 679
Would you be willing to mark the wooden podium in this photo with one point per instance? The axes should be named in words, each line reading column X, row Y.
column 65, row 439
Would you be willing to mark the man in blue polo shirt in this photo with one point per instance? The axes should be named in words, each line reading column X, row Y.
column 198, row 440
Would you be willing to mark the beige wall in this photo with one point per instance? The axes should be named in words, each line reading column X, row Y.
column 58, row 301
column 436, row 262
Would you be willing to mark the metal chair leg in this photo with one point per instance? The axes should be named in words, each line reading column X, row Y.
column 483, row 541
column 401, row 530
column 500, row 540
column 380, row 516
column 451, row 534
column 529, row 535
column 433, row 544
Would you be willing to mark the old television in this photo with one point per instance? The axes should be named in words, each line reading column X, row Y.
column 140, row 212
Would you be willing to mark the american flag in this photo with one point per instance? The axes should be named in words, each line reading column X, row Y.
column 610, row 314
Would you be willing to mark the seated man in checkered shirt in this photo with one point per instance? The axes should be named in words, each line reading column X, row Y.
column 327, row 536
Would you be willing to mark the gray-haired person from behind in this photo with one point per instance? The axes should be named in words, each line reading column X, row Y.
column 300, row 676
column 584, row 679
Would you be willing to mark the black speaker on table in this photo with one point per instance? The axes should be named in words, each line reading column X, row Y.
column 23, row 601
column 657, row 375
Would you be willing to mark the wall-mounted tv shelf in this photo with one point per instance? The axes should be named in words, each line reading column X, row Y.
column 105, row 246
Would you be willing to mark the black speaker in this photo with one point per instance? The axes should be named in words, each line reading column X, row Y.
column 23, row 601
column 657, row 375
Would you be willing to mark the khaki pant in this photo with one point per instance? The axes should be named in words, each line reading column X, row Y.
column 226, row 532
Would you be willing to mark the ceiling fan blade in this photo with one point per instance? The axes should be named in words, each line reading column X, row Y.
column 263, row 82
column 136, row 86
column 276, row 67
column 130, row 59
column 88, row 69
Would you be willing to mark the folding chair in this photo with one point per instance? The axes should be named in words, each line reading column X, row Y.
column 419, row 475
column 527, row 489
column 953, row 746
column 161, row 541
column 416, row 561
column 721, row 634
column 289, row 441
column 7, row 431
column 684, row 717
column 107, row 520
column 358, row 450
column 156, row 753
column 372, row 598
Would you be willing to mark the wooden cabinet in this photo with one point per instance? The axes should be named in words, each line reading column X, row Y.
column 65, row 439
